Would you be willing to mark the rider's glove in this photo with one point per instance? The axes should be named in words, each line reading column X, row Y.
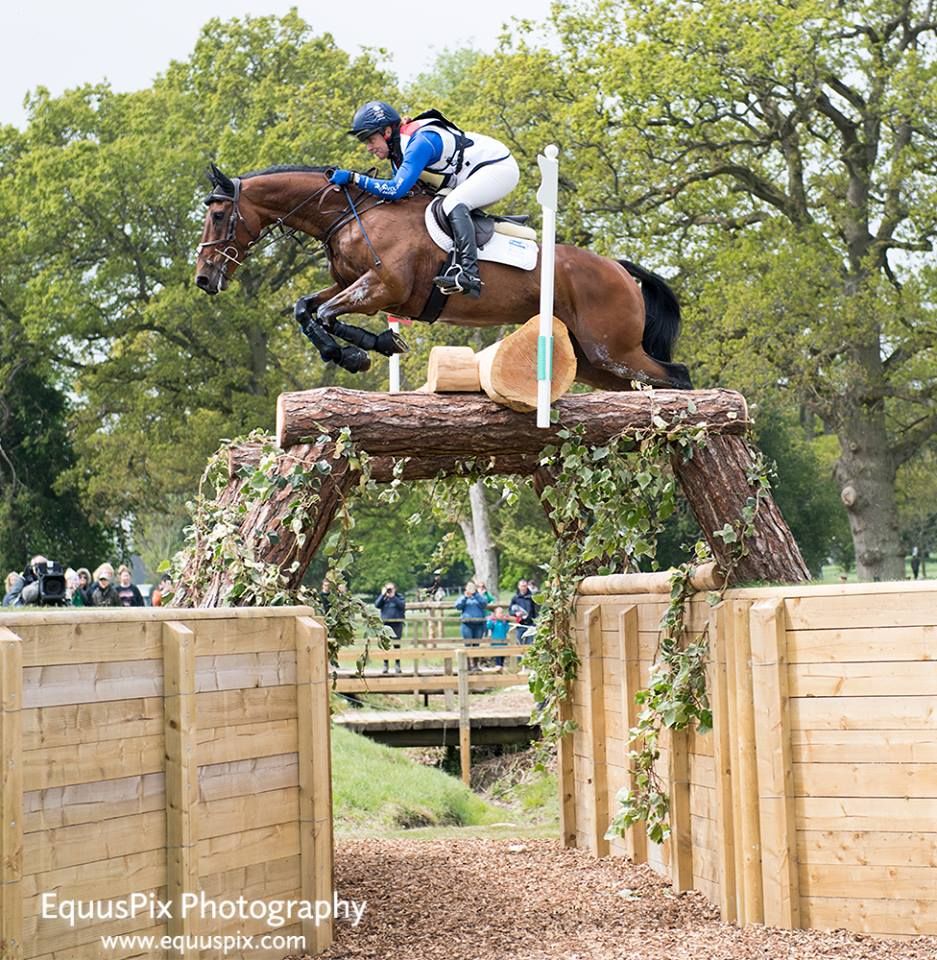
column 341, row 177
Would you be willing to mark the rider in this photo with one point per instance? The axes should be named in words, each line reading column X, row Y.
column 479, row 170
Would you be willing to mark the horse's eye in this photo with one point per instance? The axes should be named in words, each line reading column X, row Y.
column 218, row 216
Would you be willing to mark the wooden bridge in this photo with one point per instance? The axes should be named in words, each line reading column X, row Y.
column 439, row 728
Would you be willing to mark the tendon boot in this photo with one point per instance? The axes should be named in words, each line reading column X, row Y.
column 462, row 276
column 328, row 349
column 354, row 360
column 387, row 343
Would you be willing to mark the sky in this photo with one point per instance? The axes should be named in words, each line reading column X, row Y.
column 61, row 44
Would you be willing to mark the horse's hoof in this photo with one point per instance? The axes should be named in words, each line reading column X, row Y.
column 389, row 343
column 354, row 360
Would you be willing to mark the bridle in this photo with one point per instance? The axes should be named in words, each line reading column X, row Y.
column 227, row 246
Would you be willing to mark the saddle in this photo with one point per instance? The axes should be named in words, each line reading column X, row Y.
column 486, row 224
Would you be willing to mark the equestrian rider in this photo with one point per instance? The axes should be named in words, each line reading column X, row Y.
column 478, row 170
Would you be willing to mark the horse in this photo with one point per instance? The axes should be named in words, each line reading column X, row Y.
column 381, row 257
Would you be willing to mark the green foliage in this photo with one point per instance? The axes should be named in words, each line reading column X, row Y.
column 39, row 514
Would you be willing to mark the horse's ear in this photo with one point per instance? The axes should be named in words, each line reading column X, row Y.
column 218, row 179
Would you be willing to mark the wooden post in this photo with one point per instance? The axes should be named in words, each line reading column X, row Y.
column 447, row 693
column 11, row 796
column 727, row 624
column 747, row 779
column 722, row 761
column 595, row 691
column 567, row 778
column 465, row 723
column 775, row 771
column 315, row 776
column 630, row 684
column 179, row 718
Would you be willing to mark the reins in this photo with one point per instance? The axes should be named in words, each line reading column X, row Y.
column 344, row 218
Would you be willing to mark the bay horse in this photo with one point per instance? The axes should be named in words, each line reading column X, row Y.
column 382, row 258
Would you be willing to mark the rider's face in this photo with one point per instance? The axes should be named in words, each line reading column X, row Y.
column 377, row 144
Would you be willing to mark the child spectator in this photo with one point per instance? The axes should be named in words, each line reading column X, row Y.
column 498, row 626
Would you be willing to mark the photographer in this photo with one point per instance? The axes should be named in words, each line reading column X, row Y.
column 393, row 609
column 12, row 587
column 42, row 582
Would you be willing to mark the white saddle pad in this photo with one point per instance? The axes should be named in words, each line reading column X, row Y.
column 512, row 251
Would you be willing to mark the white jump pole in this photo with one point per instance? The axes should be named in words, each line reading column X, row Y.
column 546, row 197
column 394, row 362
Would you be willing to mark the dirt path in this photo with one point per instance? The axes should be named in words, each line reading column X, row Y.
column 471, row 899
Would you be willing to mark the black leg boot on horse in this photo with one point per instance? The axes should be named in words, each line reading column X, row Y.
column 387, row 343
column 351, row 359
column 462, row 276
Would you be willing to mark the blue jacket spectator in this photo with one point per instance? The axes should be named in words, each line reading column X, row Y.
column 474, row 609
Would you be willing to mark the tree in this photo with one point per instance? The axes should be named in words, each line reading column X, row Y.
column 105, row 190
column 783, row 156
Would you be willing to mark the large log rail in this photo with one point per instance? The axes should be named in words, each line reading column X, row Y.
column 452, row 433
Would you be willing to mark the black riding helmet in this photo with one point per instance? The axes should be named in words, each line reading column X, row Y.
column 373, row 117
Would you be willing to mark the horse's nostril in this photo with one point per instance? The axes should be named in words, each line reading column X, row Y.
column 201, row 281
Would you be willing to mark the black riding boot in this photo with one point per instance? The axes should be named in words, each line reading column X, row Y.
column 462, row 276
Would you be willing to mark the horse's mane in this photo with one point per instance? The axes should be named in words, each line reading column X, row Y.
column 284, row 168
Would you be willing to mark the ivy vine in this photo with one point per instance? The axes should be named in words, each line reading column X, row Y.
column 215, row 540
column 609, row 505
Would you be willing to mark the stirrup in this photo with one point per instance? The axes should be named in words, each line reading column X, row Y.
column 455, row 279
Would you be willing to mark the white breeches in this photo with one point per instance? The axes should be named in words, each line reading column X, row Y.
column 484, row 186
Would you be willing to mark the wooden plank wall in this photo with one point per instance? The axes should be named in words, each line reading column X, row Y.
column 161, row 752
column 814, row 801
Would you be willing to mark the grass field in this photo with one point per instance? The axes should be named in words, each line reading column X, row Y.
column 379, row 790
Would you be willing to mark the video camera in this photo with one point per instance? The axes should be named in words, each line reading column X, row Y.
column 46, row 585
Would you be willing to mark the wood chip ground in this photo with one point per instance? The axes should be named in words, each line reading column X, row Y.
column 475, row 899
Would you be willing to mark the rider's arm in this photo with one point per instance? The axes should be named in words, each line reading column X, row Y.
column 422, row 150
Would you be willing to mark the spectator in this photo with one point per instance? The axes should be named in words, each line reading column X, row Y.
column 82, row 596
column 71, row 585
column 393, row 609
column 474, row 610
column 325, row 595
column 435, row 591
column 104, row 593
column 162, row 591
column 522, row 605
column 127, row 591
column 482, row 588
column 12, row 587
column 915, row 562
column 498, row 626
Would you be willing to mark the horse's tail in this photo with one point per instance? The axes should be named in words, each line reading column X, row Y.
column 661, row 312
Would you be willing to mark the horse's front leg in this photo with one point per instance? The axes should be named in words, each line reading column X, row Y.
column 366, row 295
column 306, row 314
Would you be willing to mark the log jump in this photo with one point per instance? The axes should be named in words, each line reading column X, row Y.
column 439, row 434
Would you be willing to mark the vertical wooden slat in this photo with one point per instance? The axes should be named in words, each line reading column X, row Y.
column 775, row 771
column 595, row 693
column 630, row 685
column 315, row 776
column 465, row 723
column 722, row 760
column 182, row 870
column 747, row 779
column 11, row 796
column 567, row 778
column 732, row 702
column 681, row 841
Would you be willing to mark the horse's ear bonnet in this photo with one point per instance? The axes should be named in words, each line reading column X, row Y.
column 223, row 187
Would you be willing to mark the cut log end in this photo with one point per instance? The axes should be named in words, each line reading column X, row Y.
column 508, row 369
column 452, row 370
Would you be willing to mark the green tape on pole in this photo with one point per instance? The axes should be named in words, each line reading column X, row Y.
column 545, row 358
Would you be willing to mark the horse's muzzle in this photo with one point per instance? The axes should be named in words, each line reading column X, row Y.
column 203, row 282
